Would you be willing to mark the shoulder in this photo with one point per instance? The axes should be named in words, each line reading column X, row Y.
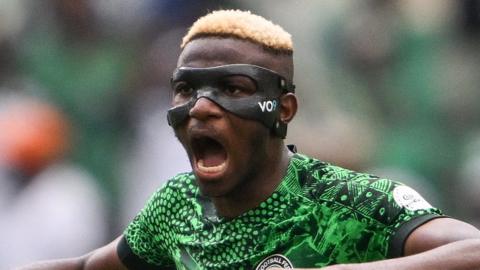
column 179, row 187
column 147, row 239
column 313, row 170
column 392, row 208
column 372, row 197
column 181, row 182
column 328, row 182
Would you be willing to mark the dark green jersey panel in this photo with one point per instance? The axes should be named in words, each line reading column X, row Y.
column 319, row 215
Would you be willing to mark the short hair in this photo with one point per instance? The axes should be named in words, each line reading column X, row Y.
column 243, row 25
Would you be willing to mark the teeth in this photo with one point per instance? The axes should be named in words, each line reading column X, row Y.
column 212, row 169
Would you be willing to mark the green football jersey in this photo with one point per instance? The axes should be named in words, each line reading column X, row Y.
column 319, row 215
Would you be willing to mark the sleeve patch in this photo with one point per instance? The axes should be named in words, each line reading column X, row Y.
column 410, row 199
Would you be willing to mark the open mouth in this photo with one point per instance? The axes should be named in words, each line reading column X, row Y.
column 210, row 155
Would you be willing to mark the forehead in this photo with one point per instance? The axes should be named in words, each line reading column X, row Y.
column 213, row 51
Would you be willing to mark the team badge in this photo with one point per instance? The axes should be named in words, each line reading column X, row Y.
column 274, row 261
column 410, row 199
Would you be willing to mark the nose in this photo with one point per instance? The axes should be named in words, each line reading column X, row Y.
column 205, row 109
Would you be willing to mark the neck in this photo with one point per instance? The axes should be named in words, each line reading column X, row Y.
column 250, row 194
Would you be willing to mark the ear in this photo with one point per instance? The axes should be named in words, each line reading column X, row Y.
column 288, row 107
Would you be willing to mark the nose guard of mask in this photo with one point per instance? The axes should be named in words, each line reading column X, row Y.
column 262, row 106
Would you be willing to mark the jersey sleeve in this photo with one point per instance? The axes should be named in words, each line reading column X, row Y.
column 412, row 211
column 372, row 216
column 143, row 244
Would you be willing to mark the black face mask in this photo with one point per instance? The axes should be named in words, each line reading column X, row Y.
column 262, row 106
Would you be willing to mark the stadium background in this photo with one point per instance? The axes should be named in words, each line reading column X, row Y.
column 386, row 87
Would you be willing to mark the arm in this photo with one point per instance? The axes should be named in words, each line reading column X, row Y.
column 104, row 258
column 442, row 243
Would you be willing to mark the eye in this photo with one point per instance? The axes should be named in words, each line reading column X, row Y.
column 182, row 88
column 238, row 86
column 232, row 90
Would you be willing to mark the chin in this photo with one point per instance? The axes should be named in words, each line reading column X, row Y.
column 212, row 189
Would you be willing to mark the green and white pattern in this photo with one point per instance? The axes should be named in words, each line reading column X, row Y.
column 319, row 215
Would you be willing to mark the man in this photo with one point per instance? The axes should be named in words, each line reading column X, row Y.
column 37, row 181
column 252, row 203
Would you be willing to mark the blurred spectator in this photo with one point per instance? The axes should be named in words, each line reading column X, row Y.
column 390, row 53
column 85, row 71
column 49, row 207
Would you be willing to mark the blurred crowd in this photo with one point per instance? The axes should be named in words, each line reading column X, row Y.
column 386, row 87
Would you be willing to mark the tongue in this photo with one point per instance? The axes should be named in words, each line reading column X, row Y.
column 214, row 156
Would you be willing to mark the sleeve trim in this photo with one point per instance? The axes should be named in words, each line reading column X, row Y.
column 130, row 259
column 397, row 241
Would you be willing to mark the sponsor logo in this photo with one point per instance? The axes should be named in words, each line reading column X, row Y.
column 275, row 261
column 268, row 105
column 410, row 199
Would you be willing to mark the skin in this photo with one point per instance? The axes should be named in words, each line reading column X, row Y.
column 442, row 243
column 104, row 258
column 242, row 186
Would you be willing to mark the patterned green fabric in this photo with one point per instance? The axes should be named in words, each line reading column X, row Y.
column 319, row 215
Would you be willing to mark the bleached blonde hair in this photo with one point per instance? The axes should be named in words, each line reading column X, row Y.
column 242, row 25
